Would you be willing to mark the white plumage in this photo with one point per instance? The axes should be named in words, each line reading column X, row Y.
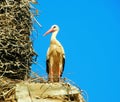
column 55, row 56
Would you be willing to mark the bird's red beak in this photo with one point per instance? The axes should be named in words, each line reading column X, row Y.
column 49, row 31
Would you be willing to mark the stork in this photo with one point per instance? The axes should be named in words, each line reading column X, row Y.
column 55, row 56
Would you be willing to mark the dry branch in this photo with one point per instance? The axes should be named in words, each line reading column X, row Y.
column 16, row 49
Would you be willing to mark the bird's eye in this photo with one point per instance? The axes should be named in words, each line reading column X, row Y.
column 54, row 27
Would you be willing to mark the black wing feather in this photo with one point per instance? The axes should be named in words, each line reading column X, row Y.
column 63, row 66
column 47, row 66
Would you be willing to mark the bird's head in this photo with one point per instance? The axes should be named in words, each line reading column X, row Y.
column 54, row 28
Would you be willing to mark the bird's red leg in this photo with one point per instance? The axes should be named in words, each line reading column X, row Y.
column 51, row 75
column 59, row 72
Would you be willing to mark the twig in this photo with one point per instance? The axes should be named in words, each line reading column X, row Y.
column 4, row 72
column 37, row 22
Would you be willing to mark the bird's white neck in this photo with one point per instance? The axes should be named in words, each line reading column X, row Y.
column 54, row 34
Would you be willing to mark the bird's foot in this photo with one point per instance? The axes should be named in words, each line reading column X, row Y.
column 59, row 74
column 50, row 81
column 51, row 75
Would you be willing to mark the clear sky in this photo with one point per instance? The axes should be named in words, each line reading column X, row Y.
column 90, row 35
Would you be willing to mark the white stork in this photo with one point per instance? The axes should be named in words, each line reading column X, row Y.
column 55, row 56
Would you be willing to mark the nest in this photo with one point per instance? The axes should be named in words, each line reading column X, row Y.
column 32, row 90
column 16, row 51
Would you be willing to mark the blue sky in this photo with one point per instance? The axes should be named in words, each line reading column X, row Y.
column 89, row 33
